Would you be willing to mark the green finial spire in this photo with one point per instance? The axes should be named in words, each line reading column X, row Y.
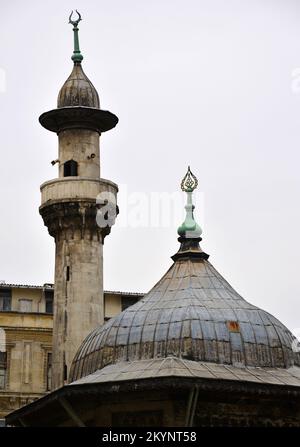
column 189, row 228
column 77, row 56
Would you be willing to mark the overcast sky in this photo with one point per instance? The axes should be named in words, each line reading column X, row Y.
column 212, row 84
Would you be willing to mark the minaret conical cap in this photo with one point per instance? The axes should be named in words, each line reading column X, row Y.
column 78, row 89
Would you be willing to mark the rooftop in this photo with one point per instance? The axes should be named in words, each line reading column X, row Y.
column 5, row 285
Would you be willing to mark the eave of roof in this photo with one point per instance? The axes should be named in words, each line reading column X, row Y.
column 51, row 287
column 170, row 373
column 178, row 367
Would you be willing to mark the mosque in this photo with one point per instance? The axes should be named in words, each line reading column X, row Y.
column 191, row 352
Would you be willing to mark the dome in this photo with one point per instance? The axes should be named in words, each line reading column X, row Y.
column 78, row 91
column 78, row 107
column 191, row 313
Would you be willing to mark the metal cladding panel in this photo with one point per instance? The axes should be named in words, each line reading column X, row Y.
column 216, row 315
column 255, row 316
column 192, row 312
column 179, row 314
column 261, row 335
column 187, row 328
column 165, row 316
column 272, row 337
column 148, row 333
column 134, row 335
column 247, row 332
column 242, row 315
column 127, row 319
column 211, row 352
column 161, row 332
column 208, row 330
column 229, row 314
column 222, row 333
column 139, row 317
column 201, row 313
column 122, row 336
column 175, row 330
column 196, row 329
column 152, row 316
column 78, row 91
column 111, row 336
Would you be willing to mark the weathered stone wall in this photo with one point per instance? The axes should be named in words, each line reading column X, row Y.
column 69, row 208
column 28, row 341
column 35, row 295
column 78, row 298
column 76, row 188
column 79, row 145
column 112, row 305
column 161, row 408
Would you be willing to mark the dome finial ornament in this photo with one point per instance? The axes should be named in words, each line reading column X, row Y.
column 77, row 56
column 189, row 228
column 189, row 231
column 189, row 182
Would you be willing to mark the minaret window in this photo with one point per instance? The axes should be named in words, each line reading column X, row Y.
column 70, row 168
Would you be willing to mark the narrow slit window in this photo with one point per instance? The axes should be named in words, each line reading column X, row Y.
column 65, row 372
column 3, row 366
column 49, row 371
column 68, row 274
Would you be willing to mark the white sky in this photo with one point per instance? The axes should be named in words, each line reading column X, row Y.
column 206, row 83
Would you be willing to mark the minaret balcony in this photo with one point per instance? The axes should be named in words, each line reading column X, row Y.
column 76, row 189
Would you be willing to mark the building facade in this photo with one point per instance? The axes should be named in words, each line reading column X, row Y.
column 26, row 332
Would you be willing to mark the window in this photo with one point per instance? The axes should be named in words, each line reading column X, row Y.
column 65, row 373
column 25, row 305
column 127, row 301
column 5, row 300
column 49, row 371
column 49, row 301
column 3, row 364
column 2, row 377
column 70, row 168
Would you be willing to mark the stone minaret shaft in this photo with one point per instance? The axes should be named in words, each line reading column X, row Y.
column 69, row 209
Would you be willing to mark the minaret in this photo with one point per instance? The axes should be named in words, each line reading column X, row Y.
column 78, row 208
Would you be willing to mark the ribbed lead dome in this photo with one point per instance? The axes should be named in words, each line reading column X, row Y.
column 78, row 91
column 191, row 313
